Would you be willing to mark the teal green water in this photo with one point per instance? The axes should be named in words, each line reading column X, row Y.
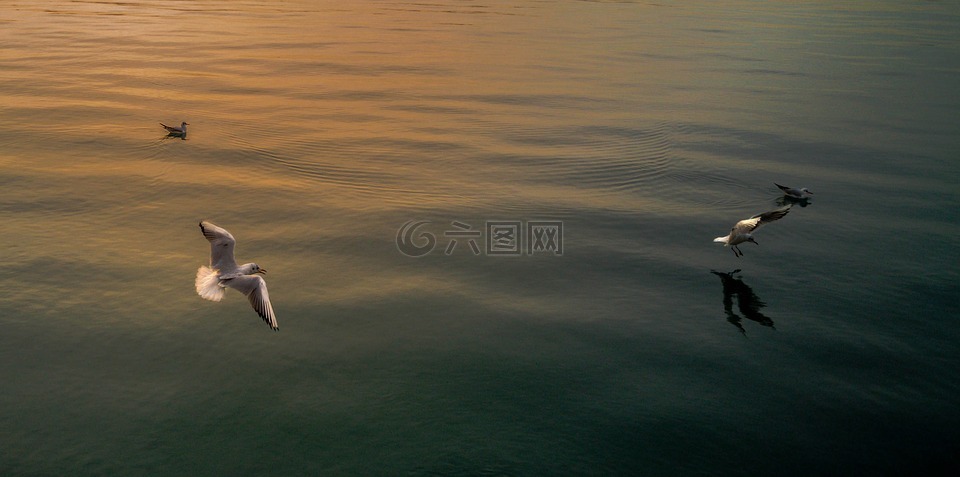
column 318, row 129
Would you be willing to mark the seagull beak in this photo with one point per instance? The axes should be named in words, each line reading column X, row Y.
column 262, row 271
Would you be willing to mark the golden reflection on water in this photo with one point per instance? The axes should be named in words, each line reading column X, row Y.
column 298, row 86
column 333, row 113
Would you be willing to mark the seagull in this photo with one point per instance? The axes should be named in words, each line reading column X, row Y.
column 801, row 193
column 223, row 272
column 182, row 129
column 743, row 230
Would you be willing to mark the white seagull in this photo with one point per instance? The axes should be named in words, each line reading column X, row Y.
column 223, row 272
column 743, row 230
column 801, row 193
column 182, row 129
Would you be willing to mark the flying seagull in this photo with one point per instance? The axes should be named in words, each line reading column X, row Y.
column 801, row 193
column 743, row 230
column 182, row 129
column 223, row 272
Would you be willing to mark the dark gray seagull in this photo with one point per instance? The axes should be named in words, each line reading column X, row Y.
column 743, row 230
column 224, row 272
column 793, row 193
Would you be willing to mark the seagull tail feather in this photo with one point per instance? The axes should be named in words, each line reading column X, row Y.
column 208, row 284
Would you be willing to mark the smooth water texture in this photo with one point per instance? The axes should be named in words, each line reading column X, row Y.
column 318, row 129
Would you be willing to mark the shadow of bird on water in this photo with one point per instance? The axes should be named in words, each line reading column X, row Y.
column 748, row 303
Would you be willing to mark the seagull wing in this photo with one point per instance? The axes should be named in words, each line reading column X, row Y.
column 221, row 247
column 753, row 223
column 255, row 288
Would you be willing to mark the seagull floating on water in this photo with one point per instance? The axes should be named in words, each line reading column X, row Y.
column 224, row 272
column 743, row 230
column 793, row 193
column 182, row 129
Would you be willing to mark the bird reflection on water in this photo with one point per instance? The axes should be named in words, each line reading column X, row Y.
column 787, row 200
column 748, row 302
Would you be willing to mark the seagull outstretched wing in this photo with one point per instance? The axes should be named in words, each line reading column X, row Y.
column 255, row 288
column 746, row 226
column 221, row 247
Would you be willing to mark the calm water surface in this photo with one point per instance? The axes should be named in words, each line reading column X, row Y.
column 317, row 129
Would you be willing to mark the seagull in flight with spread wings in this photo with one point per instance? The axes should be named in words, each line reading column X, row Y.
column 224, row 272
column 743, row 230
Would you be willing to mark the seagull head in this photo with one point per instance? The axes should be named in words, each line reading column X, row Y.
column 252, row 268
column 805, row 191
